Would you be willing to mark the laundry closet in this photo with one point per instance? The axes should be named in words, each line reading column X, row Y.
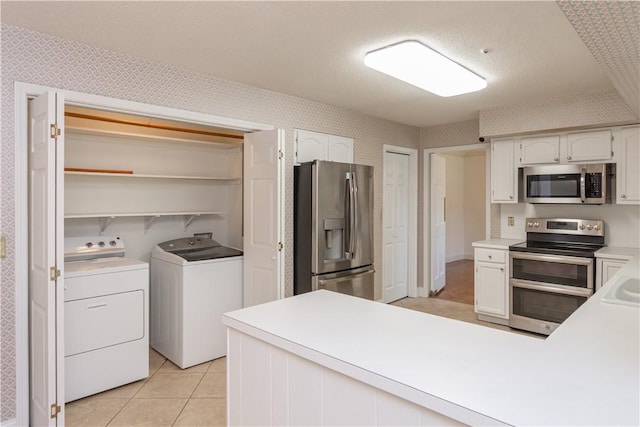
column 144, row 200
column 149, row 180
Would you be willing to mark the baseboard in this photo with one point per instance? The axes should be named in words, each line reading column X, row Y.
column 454, row 258
column 8, row 423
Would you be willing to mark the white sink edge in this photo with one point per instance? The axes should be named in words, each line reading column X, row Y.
column 611, row 298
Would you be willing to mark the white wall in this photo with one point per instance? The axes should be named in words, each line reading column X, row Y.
column 474, row 201
column 466, row 217
column 455, row 207
column 622, row 223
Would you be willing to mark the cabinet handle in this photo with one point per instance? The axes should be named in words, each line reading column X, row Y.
column 511, row 197
column 502, row 269
column 555, row 159
column 489, row 256
column 624, row 196
column 568, row 157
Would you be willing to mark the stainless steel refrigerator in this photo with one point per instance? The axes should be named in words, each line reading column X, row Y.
column 333, row 228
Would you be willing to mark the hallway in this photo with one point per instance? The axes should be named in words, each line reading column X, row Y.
column 459, row 282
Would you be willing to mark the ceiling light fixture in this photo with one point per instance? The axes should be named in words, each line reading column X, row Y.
column 421, row 66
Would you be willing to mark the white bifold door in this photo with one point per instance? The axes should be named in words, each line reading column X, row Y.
column 395, row 226
column 263, row 228
column 46, row 287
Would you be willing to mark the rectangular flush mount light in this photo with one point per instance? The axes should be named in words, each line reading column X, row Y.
column 415, row 63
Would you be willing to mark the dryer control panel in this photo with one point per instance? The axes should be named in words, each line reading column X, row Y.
column 92, row 247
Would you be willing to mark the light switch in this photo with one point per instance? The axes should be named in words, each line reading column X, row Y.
column 510, row 221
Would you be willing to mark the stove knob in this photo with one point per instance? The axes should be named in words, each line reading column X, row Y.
column 89, row 245
column 536, row 224
column 101, row 244
column 596, row 227
column 589, row 227
column 581, row 227
column 529, row 224
column 112, row 243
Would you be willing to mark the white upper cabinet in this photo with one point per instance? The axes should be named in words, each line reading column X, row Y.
column 627, row 153
column 312, row 146
column 589, row 146
column 340, row 149
column 540, row 150
column 504, row 173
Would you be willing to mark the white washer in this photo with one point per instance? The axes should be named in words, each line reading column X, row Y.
column 193, row 282
column 106, row 310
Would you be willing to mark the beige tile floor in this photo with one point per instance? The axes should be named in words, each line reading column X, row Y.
column 196, row 396
column 170, row 396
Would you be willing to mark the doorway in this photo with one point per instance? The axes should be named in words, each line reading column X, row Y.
column 399, row 223
column 52, row 396
column 456, row 184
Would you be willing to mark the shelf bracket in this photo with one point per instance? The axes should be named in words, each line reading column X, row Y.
column 148, row 220
column 188, row 219
column 104, row 222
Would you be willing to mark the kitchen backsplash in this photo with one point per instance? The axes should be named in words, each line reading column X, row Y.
column 622, row 222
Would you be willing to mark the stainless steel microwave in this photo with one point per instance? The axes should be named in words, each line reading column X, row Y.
column 589, row 184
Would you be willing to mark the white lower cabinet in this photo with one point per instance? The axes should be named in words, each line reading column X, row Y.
column 491, row 285
column 605, row 269
column 269, row 386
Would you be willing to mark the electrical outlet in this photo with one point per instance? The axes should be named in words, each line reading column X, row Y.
column 510, row 221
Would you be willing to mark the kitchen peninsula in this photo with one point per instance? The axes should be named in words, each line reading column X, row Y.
column 324, row 358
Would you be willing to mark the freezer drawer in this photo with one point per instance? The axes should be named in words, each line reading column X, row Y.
column 357, row 282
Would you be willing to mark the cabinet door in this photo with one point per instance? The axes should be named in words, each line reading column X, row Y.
column 340, row 149
column 606, row 269
column 627, row 153
column 504, row 174
column 311, row 146
column 589, row 146
column 491, row 291
column 540, row 150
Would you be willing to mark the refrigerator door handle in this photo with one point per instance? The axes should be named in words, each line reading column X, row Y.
column 350, row 209
column 356, row 225
column 346, row 275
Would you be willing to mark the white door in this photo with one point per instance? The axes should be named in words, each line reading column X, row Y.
column 46, row 286
column 263, row 197
column 395, row 219
column 438, row 222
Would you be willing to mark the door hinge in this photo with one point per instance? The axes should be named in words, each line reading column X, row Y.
column 3, row 247
column 55, row 410
column 280, row 246
column 54, row 273
column 54, row 131
column 280, row 154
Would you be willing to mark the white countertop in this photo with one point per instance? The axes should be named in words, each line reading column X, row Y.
column 613, row 252
column 586, row 373
column 496, row 243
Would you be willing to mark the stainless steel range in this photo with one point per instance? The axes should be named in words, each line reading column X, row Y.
column 553, row 272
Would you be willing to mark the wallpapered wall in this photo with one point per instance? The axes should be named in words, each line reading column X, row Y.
column 41, row 59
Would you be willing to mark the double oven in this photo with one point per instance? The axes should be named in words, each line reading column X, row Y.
column 553, row 272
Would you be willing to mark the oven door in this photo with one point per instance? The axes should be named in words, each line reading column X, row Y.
column 567, row 271
column 541, row 308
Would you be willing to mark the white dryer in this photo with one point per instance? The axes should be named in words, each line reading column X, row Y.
column 106, row 312
column 193, row 282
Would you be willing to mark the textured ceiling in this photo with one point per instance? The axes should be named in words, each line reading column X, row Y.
column 611, row 31
column 314, row 50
